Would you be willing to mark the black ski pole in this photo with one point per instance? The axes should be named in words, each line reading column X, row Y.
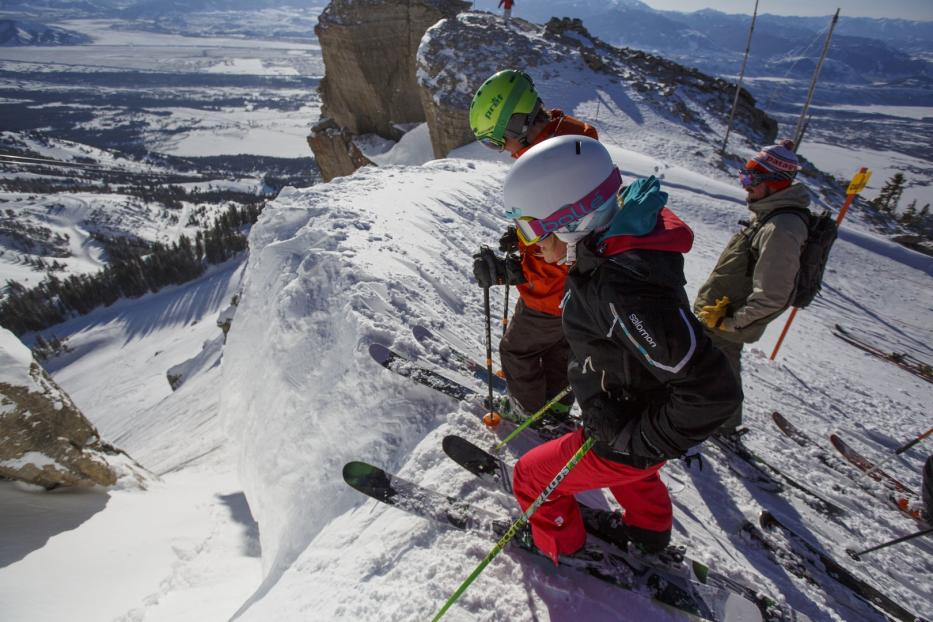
column 491, row 418
column 899, row 451
column 856, row 555
column 505, row 310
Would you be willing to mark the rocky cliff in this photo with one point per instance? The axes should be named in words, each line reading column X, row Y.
column 44, row 438
column 369, row 49
column 378, row 75
column 458, row 54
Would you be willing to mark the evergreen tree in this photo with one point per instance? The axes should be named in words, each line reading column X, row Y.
column 910, row 214
column 890, row 194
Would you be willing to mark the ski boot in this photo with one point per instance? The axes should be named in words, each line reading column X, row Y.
column 609, row 526
column 731, row 438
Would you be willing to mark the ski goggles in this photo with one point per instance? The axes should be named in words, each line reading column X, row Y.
column 516, row 128
column 749, row 177
column 533, row 230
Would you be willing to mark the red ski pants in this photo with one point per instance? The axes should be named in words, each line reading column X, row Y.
column 557, row 525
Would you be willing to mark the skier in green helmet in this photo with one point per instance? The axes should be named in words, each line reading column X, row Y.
column 507, row 114
column 505, row 105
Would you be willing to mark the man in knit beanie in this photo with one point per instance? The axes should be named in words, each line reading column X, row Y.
column 755, row 278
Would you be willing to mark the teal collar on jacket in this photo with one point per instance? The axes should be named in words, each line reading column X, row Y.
column 641, row 201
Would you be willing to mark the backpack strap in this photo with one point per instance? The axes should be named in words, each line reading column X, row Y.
column 802, row 212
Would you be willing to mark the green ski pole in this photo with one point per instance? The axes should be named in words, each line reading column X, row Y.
column 527, row 422
column 516, row 526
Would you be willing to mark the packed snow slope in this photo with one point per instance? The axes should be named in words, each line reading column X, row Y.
column 365, row 258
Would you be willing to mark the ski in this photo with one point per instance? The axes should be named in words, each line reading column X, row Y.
column 803, row 558
column 903, row 360
column 495, row 472
column 393, row 361
column 867, row 465
column 597, row 558
column 765, row 475
column 462, row 362
column 403, row 366
column 899, row 500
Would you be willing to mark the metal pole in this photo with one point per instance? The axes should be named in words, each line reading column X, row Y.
column 492, row 406
column 516, row 526
column 527, row 422
column 856, row 555
column 505, row 310
column 738, row 86
column 899, row 451
column 798, row 132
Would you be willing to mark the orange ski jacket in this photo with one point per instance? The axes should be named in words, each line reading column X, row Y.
column 544, row 286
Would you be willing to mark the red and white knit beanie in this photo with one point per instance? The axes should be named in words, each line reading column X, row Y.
column 777, row 158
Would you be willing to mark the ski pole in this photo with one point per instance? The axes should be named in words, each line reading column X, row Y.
column 859, row 180
column 856, row 555
column 899, row 451
column 492, row 415
column 505, row 310
column 527, row 422
column 516, row 526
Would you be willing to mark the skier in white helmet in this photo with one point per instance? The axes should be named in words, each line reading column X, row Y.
column 650, row 383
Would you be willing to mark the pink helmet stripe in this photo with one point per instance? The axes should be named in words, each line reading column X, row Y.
column 567, row 214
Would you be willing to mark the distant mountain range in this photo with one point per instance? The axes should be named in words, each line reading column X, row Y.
column 14, row 32
column 863, row 49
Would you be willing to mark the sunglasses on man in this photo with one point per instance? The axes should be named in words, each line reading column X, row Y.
column 749, row 178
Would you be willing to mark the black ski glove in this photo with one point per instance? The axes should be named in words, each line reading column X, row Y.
column 604, row 419
column 508, row 243
column 490, row 270
column 513, row 270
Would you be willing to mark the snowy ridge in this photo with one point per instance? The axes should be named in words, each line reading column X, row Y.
column 337, row 266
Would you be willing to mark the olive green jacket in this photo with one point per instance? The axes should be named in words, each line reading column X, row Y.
column 758, row 268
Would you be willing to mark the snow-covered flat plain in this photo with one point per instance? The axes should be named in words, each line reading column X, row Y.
column 843, row 163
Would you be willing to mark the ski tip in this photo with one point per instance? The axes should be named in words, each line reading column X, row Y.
column 379, row 352
column 356, row 472
column 421, row 333
column 450, row 441
column 353, row 471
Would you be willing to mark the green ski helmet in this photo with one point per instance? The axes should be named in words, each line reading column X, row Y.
column 505, row 105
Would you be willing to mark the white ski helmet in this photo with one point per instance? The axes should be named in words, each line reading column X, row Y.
column 566, row 186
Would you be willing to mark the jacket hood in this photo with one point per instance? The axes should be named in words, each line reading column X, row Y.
column 643, row 222
column 669, row 234
column 796, row 195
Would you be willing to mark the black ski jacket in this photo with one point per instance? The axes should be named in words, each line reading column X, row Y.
column 641, row 366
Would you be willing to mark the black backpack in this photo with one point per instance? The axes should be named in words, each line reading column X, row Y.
column 822, row 232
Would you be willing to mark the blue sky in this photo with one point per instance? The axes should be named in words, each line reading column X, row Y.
column 904, row 9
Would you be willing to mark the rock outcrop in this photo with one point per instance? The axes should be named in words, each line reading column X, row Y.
column 458, row 54
column 44, row 438
column 334, row 150
column 369, row 85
